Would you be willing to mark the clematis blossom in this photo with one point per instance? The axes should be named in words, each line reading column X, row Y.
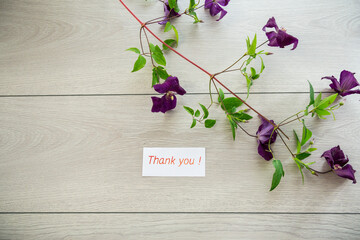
column 168, row 101
column 263, row 134
column 347, row 82
column 169, row 13
column 337, row 160
column 278, row 37
column 215, row 8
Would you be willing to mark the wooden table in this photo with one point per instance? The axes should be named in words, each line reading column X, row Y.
column 74, row 121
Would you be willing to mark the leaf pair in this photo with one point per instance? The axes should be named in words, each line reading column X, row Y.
column 140, row 62
column 320, row 105
column 230, row 105
column 209, row 123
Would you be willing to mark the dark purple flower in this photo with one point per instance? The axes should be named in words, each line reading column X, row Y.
column 263, row 137
column 169, row 13
column 215, row 9
column 168, row 101
column 279, row 37
column 337, row 160
column 347, row 82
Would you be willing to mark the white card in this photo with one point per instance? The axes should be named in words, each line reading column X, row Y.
column 174, row 162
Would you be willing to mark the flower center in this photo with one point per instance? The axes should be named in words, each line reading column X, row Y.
column 283, row 29
column 337, row 166
column 170, row 95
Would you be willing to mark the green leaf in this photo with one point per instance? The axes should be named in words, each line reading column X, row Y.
column 155, row 77
column 322, row 112
column 241, row 116
column 170, row 42
column 158, row 55
column 249, row 83
column 176, row 33
column 233, row 127
column 252, row 48
column 162, row 72
column 193, row 123
column 297, row 161
column 327, row 101
column 253, row 72
column 262, row 65
column 205, row 110
column 278, row 174
column 197, row 113
column 135, row 50
column 256, row 76
column 230, row 103
column 209, row 123
column 317, row 100
column 173, row 5
column 302, row 156
column 168, row 27
column 312, row 149
column 306, row 134
column 189, row 110
column 248, row 44
column 221, row 95
column 312, row 95
column 139, row 64
column 298, row 144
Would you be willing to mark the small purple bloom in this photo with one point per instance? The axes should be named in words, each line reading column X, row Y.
column 263, row 138
column 347, row 82
column 215, row 9
column 337, row 160
column 168, row 101
column 279, row 37
column 169, row 13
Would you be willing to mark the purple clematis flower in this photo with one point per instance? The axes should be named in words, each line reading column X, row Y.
column 263, row 137
column 169, row 13
column 347, row 82
column 215, row 9
column 168, row 101
column 337, row 160
column 279, row 37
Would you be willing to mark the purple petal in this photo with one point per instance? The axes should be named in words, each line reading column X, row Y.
column 208, row 4
column 335, row 156
column 347, row 80
column 168, row 13
column 223, row 13
column 339, row 156
column 157, row 103
column 271, row 24
column 285, row 39
column 263, row 151
column 349, row 92
column 264, row 132
column 328, row 156
column 215, row 9
column 335, row 84
column 163, row 104
column 346, row 172
column 223, row 2
column 170, row 84
column 272, row 39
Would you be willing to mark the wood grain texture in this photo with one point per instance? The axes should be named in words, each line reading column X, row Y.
column 179, row 226
column 85, row 154
column 67, row 47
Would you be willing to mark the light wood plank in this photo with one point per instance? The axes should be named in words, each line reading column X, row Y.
column 67, row 47
column 179, row 226
column 85, row 154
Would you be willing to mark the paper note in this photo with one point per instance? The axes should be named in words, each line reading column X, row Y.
column 174, row 162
